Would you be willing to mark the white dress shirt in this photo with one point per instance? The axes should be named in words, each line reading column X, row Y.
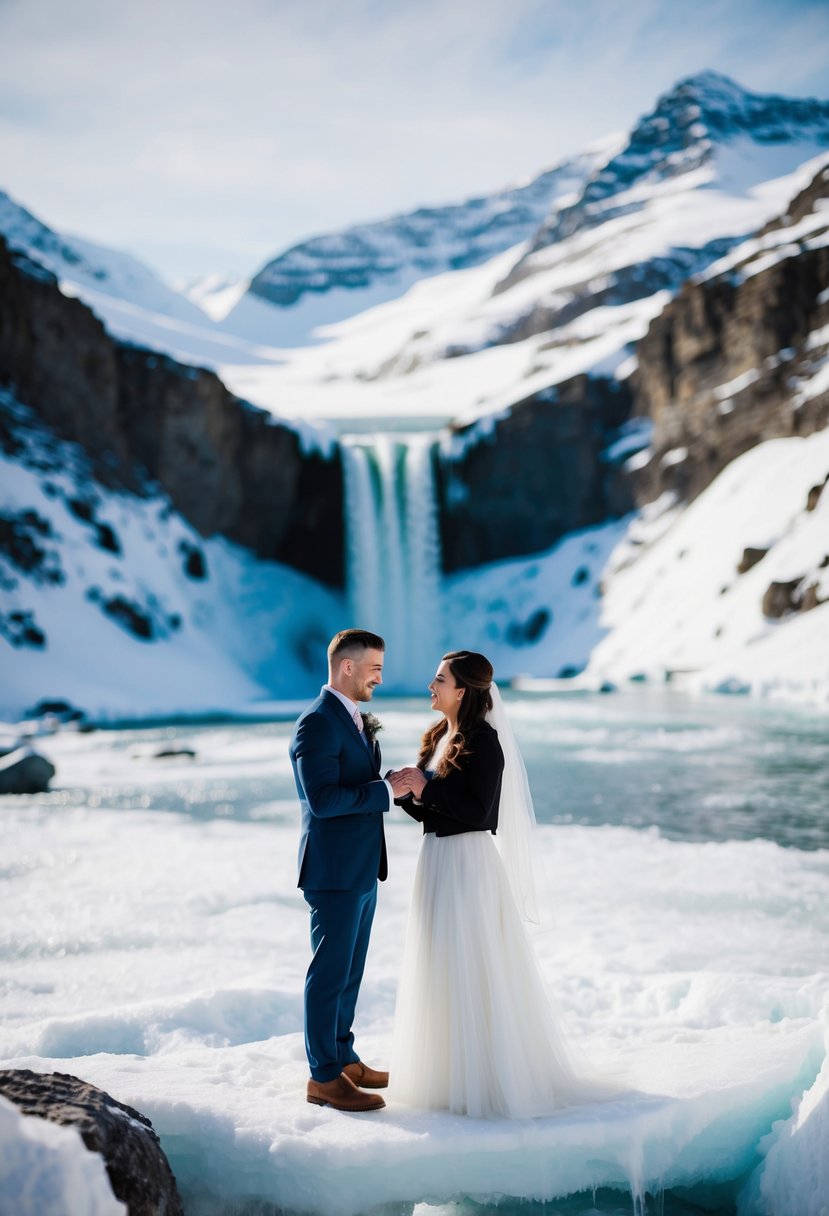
column 354, row 708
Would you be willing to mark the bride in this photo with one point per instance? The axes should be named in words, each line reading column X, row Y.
column 474, row 1032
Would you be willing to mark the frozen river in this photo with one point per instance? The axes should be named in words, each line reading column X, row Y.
column 153, row 941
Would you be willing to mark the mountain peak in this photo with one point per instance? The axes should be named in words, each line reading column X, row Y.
column 688, row 123
column 709, row 84
column 724, row 109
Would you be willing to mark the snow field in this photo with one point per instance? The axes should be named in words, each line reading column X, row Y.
column 161, row 955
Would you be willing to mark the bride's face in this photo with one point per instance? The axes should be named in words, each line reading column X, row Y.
column 446, row 693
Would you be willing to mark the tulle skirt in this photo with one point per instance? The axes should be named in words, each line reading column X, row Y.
column 474, row 1030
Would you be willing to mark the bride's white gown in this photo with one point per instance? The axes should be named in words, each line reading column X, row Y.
column 474, row 1031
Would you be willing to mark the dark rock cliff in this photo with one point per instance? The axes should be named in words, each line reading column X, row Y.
column 535, row 474
column 728, row 363
column 228, row 468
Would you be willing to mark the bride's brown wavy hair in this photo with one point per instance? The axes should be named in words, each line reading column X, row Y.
column 473, row 673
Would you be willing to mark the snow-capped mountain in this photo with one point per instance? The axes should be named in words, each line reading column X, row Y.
column 711, row 165
column 707, row 131
column 339, row 274
column 682, row 133
column 472, row 342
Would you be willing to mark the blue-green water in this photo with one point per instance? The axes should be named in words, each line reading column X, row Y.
column 714, row 768
column 711, row 769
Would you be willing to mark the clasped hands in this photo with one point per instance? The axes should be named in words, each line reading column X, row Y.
column 405, row 781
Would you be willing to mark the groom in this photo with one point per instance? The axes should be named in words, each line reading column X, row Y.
column 342, row 853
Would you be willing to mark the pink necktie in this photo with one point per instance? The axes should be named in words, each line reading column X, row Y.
column 358, row 722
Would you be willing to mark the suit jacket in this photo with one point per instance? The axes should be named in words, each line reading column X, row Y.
column 467, row 798
column 342, row 846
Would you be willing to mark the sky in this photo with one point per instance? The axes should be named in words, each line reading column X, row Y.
column 207, row 136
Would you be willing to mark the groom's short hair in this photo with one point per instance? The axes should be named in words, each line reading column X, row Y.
column 348, row 642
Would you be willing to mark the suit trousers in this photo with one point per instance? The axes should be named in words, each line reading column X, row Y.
column 340, row 931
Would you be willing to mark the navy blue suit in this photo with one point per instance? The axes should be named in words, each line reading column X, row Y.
column 342, row 853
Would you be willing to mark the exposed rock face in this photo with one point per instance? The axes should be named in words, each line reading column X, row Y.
column 535, row 475
column 228, row 468
column 814, row 495
column 751, row 556
column 794, row 595
column 138, row 1170
column 781, row 598
column 728, row 363
column 713, row 335
column 811, row 598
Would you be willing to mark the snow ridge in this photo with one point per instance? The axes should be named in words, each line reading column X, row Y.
column 427, row 241
column 88, row 269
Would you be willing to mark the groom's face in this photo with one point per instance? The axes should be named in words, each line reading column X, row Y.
column 366, row 673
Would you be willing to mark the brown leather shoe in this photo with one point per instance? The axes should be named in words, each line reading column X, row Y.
column 365, row 1077
column 342, row 1094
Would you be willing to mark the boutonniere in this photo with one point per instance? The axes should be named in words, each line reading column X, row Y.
column 371, row 725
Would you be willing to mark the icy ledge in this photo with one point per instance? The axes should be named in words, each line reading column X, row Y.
column 248, row 1134
column 794, row 1177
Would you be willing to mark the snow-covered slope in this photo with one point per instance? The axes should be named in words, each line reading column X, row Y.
column 113, row 603
column 675, row 599
column 214, row 294
column 660, row 594
column 93, row 271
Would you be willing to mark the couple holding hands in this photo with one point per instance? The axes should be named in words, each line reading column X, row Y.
column 474, row 1032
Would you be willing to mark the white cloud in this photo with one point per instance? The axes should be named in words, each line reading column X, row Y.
column 177, row 127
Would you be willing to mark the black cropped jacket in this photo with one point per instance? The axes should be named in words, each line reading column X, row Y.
column 466, row 799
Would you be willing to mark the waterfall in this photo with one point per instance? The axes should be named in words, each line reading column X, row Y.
column 393, row 551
